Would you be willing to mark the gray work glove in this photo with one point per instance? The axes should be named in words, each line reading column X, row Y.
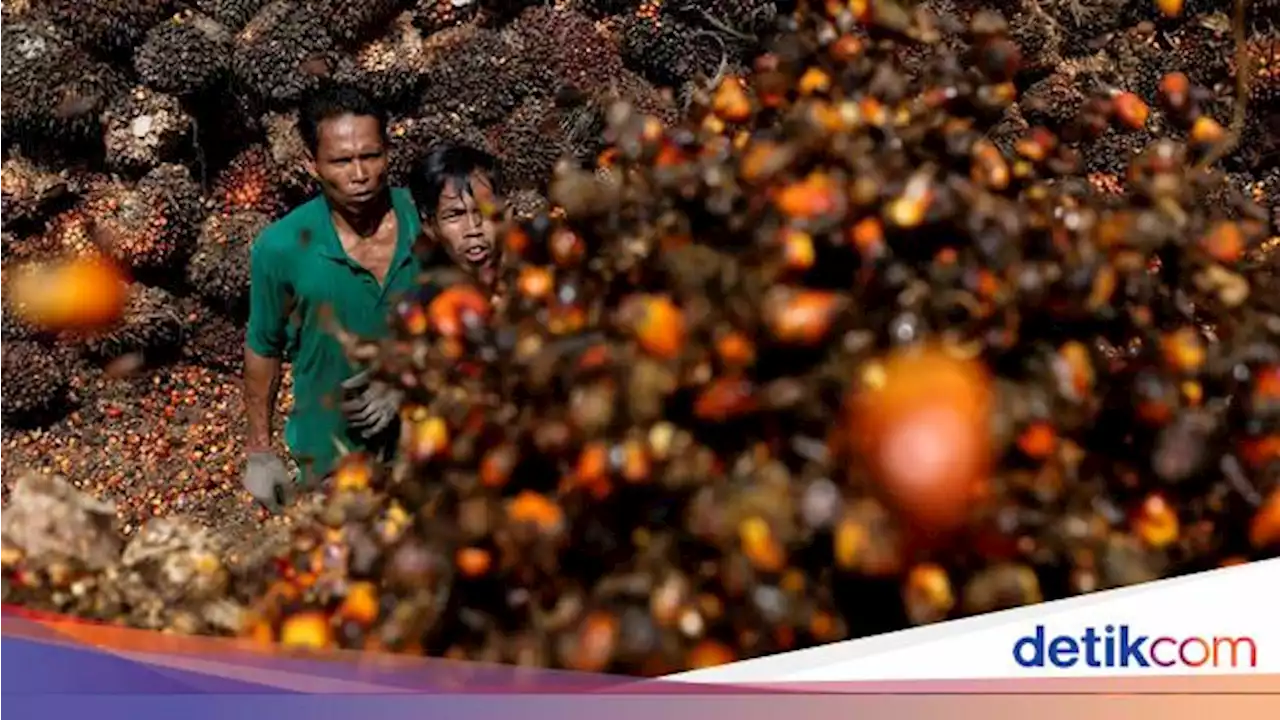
column 371, row 405
column 267, row 480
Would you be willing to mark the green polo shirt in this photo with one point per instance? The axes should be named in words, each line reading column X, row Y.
column 299, row 272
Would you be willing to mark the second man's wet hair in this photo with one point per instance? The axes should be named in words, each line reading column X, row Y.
column 450, row 163
column 333, row 101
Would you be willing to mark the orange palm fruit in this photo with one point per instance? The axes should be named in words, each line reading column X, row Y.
column 657, row 323
column 82, row 294
column 921, row 423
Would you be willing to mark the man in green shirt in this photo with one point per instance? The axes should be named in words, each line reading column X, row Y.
column 343, row 256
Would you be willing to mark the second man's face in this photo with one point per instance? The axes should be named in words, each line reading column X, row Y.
column 464, row 225
column 351, row 161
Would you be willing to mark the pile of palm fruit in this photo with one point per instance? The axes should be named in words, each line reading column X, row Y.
column 162, row 135
column 923, row 312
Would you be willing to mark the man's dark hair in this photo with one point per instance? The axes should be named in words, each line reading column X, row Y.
column 334, row 101
column 447, row 163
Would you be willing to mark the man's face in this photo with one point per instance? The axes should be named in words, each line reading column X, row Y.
column 350, row 162
column 463, row 224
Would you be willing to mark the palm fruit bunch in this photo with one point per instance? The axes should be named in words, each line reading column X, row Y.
column 54, row 91
column 1263, row 52
column 251, row 181
column 1205, row 51
column 110, row 26
column 28, row 191
column 219, row 268
column 36, row 384
column 231, row 14
column 580, row 74
column 411, row 138
column 566, row 47
column 352, row 21
column 668, row 50
column 474, row 72
column 1138, row 60
column 643, row 96
column 435, row 15
column 392, row 66
column 70, row 233
column 283, row 52
column 288, row 154
column 527, row 204
column 143, row 128
column 187, row 54
column 532, row 140
column 734, row 16
column 148, row 226
column 150, row 328
column 600, row 8
column 499, row 12
column 819, row 361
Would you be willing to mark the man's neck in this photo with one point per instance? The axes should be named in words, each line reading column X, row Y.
column 364, row 222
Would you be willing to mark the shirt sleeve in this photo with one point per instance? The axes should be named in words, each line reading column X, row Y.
column 267, row 334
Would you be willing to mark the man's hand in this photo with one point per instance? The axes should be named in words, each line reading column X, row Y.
column 267, row 479
column 373, row 405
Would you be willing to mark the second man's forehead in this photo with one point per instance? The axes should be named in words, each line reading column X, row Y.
column 475, row 183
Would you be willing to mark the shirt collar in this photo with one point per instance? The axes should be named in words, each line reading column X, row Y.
column 330, row 244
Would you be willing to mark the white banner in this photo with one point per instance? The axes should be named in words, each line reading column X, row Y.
column 1219, row 622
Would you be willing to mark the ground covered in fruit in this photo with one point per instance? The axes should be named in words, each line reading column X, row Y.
column 916, row 315
column 156, row 442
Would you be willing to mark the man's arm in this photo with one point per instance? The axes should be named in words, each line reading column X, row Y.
column 261, row 386
column 264, row 344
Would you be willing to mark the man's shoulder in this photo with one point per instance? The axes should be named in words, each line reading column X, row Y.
column 293, row 229
column 402, row 200
column 401, row 194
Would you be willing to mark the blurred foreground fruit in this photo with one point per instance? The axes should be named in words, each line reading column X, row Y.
column 80, row 294
column 922, row 421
